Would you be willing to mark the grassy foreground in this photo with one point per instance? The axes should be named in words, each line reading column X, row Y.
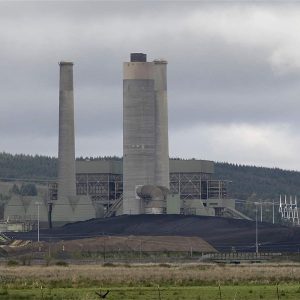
column 164, row 293
column 162, row 282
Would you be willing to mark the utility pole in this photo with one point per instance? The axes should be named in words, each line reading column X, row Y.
column 140, row 250
column 104, row 247
column 256, row 229
column 261, row 216
column 38, row 221
column 49, row 249
column 273, row 212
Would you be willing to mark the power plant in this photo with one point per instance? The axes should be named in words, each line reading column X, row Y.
column 146, row 181
column 145, row 194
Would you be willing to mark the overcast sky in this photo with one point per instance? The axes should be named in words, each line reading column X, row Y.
column 233, row 75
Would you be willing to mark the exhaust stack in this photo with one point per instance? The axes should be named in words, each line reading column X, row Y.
column 66, row 146
column 145, row 130
column 62, row 210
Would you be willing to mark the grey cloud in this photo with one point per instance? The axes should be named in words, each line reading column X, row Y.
column 212, row 78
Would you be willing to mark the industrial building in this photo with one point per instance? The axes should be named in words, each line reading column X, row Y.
column 193, row 191
column 145, row 181
column 191, row 180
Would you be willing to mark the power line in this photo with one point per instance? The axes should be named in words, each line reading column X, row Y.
column 27, row 179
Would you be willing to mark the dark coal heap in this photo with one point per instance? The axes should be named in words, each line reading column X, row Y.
column 224, row 234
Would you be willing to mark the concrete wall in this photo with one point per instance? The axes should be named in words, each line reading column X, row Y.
column 173, row 204
column 99, row 166
column 25, row 208
column 196, row 207
column 116, row 166
column 191, row 166
column 230, row 203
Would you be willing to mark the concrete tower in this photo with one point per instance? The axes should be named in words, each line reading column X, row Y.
column 66, row 146
column 162, row 174
column 145, row 129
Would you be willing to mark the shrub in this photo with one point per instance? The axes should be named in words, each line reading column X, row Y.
column 12, row 263
column 28, row 189
column 108, row 264
column 3, row 291
column 26, row 260
column 62, row 263
column 163, row 265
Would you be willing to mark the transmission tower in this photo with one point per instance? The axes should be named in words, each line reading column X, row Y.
column 289, row 209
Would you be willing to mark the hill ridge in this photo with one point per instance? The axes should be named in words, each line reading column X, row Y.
column 248, row 182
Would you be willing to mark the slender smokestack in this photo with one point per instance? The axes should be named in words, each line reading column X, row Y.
column 162, row 175
column 66, row 144
column 68, row 207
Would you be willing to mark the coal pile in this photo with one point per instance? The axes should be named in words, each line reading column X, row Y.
column 224, row 234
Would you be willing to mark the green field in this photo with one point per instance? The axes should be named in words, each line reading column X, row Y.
column 152, row 281
column 267, row 292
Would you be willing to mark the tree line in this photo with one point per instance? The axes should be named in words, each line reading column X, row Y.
column 245, row 181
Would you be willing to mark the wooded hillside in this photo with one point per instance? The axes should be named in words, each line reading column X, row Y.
column 27, row 166
column 266, row 183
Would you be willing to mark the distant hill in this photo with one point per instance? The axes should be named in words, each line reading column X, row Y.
column 266, row 183
column 27, row 166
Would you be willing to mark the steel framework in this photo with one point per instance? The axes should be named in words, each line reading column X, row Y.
column 289, row 209
column 105, row 188
column 197, row 186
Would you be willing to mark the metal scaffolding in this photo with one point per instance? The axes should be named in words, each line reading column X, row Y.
column 197, row 186
column 105, row 189
column 289, row 209
column 102, row 188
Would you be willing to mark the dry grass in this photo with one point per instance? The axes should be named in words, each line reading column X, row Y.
column 135, row 243
column 117, row 244
column 147, row 275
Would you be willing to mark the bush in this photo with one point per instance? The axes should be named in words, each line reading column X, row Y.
column 12, row 263
column 48, row 260
column 26, row 260
column 62, row 263
column 3, row 291
column 15, row 189
column 163, row 265
column 28, row 189
column 108, row 264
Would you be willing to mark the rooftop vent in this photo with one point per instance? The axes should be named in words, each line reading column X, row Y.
column 138, row 57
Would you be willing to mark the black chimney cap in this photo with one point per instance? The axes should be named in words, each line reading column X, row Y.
column 138, row 57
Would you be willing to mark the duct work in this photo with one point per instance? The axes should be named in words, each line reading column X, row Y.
column 154, row 198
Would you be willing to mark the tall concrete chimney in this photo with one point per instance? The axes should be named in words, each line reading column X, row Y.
column 145, row 129
column 66, row 145
column 162, row 174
